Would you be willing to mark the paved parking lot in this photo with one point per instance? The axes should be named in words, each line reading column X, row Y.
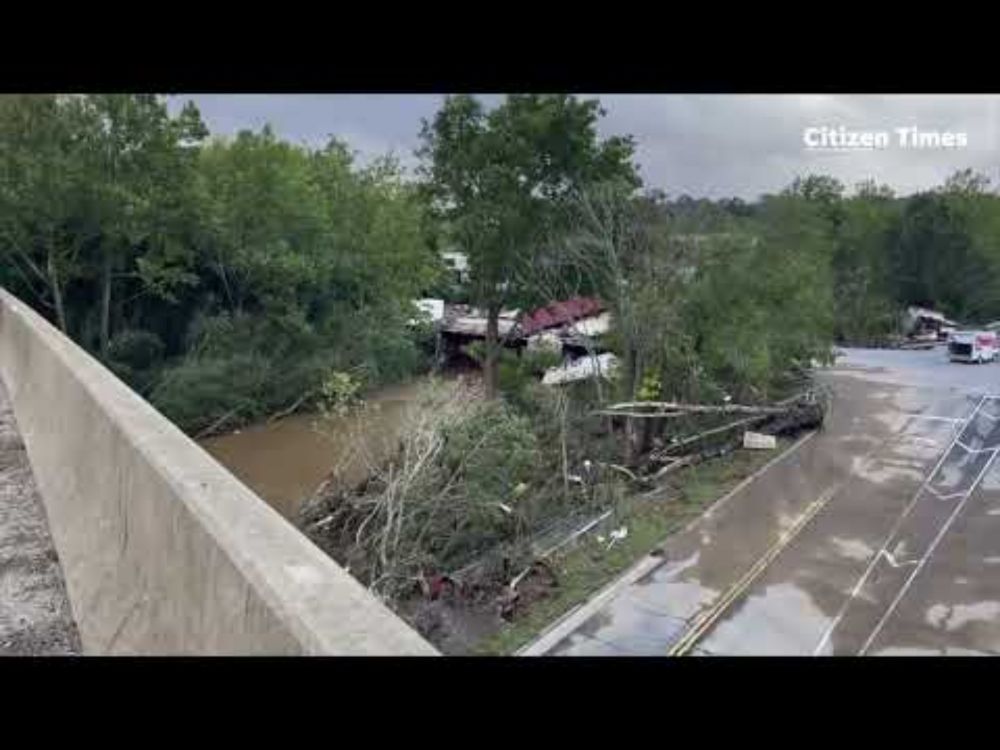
column 879, row 535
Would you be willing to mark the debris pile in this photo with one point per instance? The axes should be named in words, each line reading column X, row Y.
column 451, row 493
column 456, row 527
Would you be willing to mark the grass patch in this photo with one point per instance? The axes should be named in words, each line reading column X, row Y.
column 588, row 566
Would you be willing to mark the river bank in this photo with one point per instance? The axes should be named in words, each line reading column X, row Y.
column 284, row 461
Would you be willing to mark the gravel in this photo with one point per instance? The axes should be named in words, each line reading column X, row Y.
column 35, row 616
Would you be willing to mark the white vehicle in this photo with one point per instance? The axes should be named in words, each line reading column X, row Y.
column 973, row 346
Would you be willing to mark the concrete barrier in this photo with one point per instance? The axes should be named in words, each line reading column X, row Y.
column 163, row 550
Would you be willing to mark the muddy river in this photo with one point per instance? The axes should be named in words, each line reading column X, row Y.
column 286, row 460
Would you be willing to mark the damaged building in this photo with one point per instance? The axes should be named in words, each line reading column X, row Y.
column 573, row 328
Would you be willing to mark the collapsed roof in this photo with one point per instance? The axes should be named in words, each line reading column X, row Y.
column 558, row 314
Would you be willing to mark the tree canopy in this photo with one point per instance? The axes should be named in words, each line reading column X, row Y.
column 221, row 277
column 226, row 278
column 501, row 180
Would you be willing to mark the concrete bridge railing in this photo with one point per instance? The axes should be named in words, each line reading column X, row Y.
column 163, row 550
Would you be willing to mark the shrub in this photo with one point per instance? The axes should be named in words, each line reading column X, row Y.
column 339, row 391
column 453, row 490
column 291, row 361
column 515, row 372
column 138, row 349
column 493, row 449
column 200, row 390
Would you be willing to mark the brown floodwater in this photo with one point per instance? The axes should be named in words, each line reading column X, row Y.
column 285, row 461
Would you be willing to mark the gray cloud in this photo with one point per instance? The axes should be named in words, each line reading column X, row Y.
column 703, row 145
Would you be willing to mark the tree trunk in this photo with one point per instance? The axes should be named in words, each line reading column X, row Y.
column 57, row 296
column 491, row 367
column 632, row 381
column 105, row 304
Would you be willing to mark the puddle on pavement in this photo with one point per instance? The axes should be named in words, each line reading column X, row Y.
column 675, row 588
column 917, row 651
column 885, row 470
column 634, row 627
column 959, row 470
column 991, row 479
column 991, row 407
column 285, row 461
column 790, row 613
column 953, row 617
column 853, row 549
column 981, row 433
column 782, row 619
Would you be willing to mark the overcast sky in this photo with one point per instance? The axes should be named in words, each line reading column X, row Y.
column 702, row 145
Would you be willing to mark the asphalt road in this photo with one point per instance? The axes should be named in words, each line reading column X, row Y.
column 920, row 368
column 880, row 535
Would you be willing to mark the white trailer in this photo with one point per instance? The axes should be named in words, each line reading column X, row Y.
column 973, row 346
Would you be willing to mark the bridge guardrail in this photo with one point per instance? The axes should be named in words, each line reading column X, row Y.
column 163, row 550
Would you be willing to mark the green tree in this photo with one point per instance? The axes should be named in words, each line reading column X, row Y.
column 501, row 179
column 137, row 161
column 759, row 303
column 264, row 223
column 865, row 309
column 43, row 222
column 625, row 246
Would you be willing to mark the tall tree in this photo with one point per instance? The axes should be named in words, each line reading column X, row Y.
column 137, row 158
column 623, row 244
column 501, row 179
column 42, row 197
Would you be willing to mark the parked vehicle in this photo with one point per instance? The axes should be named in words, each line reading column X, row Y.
column 973, row 346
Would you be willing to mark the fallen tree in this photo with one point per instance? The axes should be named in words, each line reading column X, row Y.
column 672, row 409
column 471, row 506
column 450, row 491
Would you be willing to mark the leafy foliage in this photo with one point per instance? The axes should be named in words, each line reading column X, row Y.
column 260, row 266
column 500, row 180
column 224, row 278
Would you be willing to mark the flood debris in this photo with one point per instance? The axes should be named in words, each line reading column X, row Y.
column 452, row 492
column 459, row 531
column 759, row 441
column 573, row 328
column 921, row 324
column 535, row 583
column 617, row 535
column 429, row 309
column 918, row 328
column 787, row 418
column 583, row 368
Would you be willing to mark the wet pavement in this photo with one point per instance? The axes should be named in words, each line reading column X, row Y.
column 879, row 535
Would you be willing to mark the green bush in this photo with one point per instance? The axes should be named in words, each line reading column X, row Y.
column 136, row 349
column 199, row 391
column 493, row 450
column 515, row 372
column 339, row 392
column 290, row 359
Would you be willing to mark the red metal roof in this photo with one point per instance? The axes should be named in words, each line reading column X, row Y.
column 560, row 313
